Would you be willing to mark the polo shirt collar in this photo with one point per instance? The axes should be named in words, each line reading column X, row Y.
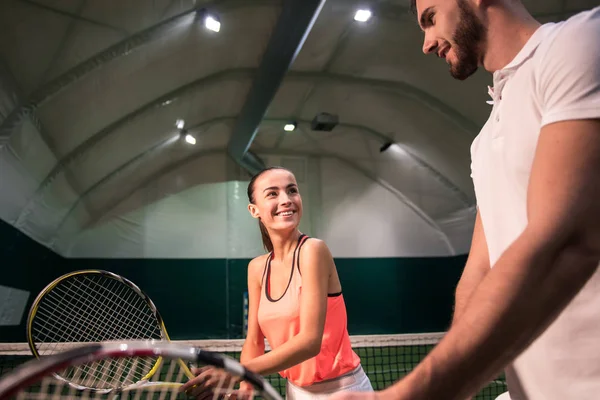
column 531, row 45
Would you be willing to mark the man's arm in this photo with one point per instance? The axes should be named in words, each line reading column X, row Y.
column 476, row 268
column 535, row 278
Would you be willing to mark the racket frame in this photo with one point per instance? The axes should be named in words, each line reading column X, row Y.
column 36, row 369
column 107, row 274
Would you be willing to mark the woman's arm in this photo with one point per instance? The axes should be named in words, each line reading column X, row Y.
column 254, row 345
column 317, row 262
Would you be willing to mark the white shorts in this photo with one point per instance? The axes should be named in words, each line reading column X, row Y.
column 354, row 381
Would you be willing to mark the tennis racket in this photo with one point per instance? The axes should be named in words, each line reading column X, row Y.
column 95, row 306
column 36, row 379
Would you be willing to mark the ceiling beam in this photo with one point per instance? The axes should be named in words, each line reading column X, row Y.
column 416, row 209
column 383, row 138
column 251, row 162
column 76, row 17
column 108, row 130
column 295, row 23
column 11, row 95
column 407, row 90
column 145, row 156
column 120, row 49
column 145, row 182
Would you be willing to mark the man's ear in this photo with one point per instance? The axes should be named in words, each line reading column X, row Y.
column 253, row 210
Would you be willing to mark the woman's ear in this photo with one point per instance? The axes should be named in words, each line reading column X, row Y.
column 253, row 210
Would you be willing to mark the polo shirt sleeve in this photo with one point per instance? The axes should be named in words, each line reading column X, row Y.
column 569, row 72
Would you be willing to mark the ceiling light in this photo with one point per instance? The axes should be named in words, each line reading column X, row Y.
column 190, row 139
column 212, row 24
column 180, row 123
column 362, row 15
column 289, row 127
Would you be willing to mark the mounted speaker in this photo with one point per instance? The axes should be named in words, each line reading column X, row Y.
column 324, row 122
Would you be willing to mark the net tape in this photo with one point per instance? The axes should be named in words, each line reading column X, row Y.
column 235, row 345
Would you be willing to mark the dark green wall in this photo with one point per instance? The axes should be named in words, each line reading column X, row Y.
column 202, row 299
column 399, row 295
column 25, row 265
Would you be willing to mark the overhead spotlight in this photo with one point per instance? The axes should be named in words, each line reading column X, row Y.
column 180, row 123
column 290, row 127
column 190, row 139
column 362, row 15
column 211, row 21
column 385, row 147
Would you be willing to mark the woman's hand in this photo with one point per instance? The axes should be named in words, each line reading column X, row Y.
column 209, row 380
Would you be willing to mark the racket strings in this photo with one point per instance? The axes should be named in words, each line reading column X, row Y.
column 74, row 332
column 108, row 321
column 119, row 300
column 95, row 314
column 95, row 309
column 163, row 386
column 110, row 373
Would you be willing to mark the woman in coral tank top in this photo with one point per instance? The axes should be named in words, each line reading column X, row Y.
column 295, row 301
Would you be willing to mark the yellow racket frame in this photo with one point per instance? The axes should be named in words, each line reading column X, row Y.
column 34, row 308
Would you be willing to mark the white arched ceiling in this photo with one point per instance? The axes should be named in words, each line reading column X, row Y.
column 91, row 91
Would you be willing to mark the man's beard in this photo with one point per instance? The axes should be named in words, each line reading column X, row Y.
column 469, row 39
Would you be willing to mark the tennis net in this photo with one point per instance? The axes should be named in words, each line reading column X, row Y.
column 385, row 358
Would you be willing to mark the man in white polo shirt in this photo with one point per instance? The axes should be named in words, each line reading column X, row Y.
column 528, row 301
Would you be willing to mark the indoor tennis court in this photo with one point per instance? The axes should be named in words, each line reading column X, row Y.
column 130, row 130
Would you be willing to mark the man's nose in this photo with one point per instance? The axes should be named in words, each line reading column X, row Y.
column 429, row 46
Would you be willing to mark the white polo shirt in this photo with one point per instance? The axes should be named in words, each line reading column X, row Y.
column 555, row 77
